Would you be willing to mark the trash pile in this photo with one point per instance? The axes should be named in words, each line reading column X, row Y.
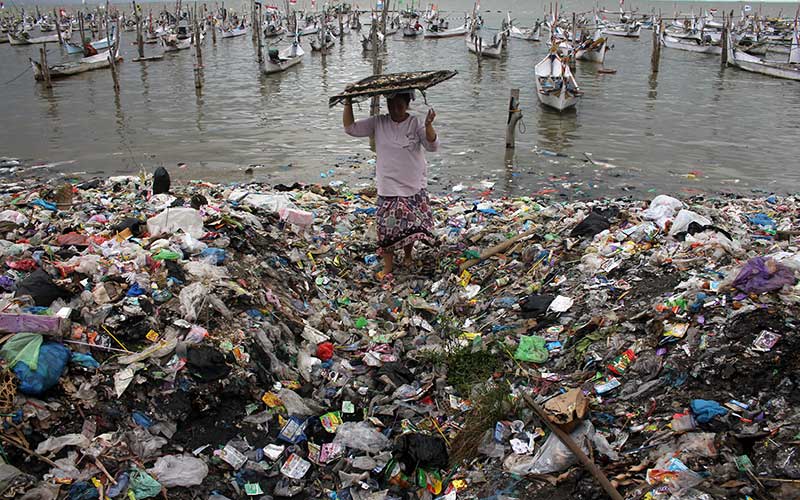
column 230, row 341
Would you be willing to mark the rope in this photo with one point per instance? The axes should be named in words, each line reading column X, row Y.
column 19, row 75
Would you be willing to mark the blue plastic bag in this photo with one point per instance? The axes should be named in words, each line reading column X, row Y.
column 52, row 361
column 217, row 255
column 705, row 410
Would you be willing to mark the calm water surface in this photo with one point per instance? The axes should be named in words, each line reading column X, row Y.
column 694, row 126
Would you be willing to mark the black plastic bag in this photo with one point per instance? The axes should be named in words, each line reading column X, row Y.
column 39, row 285
column 593, row 224
column 206, row 363
column 421, row 450
column 160, row 181
column 535, row 305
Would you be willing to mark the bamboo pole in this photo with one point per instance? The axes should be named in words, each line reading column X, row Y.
column 58, row 28
column 574, row 448
column 655, row 57
column 45, row 67
column 257, row 28
column 725, row 28
column 139, row 34
column 112, row 53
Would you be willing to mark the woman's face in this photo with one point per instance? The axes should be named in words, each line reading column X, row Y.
column 397, row 107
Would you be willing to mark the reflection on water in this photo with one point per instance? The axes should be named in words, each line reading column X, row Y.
column 691, row 116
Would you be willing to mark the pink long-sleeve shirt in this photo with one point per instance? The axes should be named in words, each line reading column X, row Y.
column 401, row 168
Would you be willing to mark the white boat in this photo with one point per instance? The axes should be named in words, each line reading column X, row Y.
column 624, row 30
column 593, row 50
column 447, row 33
column 317, row 43
column 410, row 31
column 233, row 32
column 555, row 85
column 172, row 43
column 312, row 29
column 24, row 38
column 98, row 61
column 530, row 34
column 366, row 42
column 281, row 60
column 690, row 45
column 272, row 30
column 788, row 70
column 477, row 45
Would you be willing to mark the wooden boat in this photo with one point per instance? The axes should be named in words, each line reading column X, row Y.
column 366, row 42
column 24, row 38
column 410, row 31
column 530, row 34
column 788, row 70
column 172, row 43
column 477, row 45
column 98, row 61
column 447, row 33
column 233, row 32
column 273, row 30
column 592, row 50
column 281, row 60
column 317, row 43
column 624, row 30
column 355, row 22
column 690, row 45
column 555, row 85
column 312, row 29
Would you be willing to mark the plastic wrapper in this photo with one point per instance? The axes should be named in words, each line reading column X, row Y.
column 361, row 436
column 179, row 470
column 172, row 220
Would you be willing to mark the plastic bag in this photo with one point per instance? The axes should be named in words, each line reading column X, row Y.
column 172, row 220
column 554, row 456
column 161, row 184
column 179, row 470
column 51, row 363
column 22, row 347
column 662, row 209
column 191, row 298
column 55, row 444
column 361, row 436
column 143, row 485
column 686, row 217
column 39, row 285
column 192, row 246
column 532, row 348
column 421, row 450
column 760, row 275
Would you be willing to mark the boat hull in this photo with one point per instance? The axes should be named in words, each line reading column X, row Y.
column 86, row 64
column 478, row 46
column 272, row 67
column 447, row 33
column 234, row 32
column 690, row 46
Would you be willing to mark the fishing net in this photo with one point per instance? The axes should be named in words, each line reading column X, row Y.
column 388, row 84
column 8, row 391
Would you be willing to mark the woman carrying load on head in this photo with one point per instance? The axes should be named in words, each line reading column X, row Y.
column 401, row 139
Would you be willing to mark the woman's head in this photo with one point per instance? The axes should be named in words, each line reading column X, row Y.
column 398, row 104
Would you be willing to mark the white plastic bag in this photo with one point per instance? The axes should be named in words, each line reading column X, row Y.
column 686, row 217
column 179, row 470
column 361, row 436
column 171, row 220
column 662, row 209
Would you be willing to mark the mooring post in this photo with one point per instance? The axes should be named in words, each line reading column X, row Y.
column 45, row 67
column 655, row 57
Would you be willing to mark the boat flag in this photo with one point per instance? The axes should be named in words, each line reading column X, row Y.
column 293, row 2
column 379, row 5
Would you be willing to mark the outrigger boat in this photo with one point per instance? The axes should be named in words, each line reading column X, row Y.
column 436, row 31
column 530, row 34
column 690, row 45
column 477, row 45
column 24, row 38
column 555, row 85
column 98, row 61
column 592, row 50
column 234, row 32
column 632, row 30
column 273, row 30
column 789, row 70
column 317, row 43
column 281, row 60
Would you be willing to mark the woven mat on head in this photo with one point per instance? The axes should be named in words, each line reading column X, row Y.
column 389, row 84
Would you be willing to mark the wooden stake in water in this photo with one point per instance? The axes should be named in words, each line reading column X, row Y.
column 725, row 31
column 45, row 67
column 655, row 57
column 58, row 28
column 514, row 116
column 139, row 36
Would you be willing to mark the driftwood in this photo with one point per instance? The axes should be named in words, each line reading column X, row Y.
column 499, row 248
column 574, row 448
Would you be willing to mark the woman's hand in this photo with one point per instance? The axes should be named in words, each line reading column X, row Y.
column 430, row 117
column 347, row 114
column 430, row 133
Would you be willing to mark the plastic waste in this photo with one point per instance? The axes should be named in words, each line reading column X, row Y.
column 179, row 470
column 705, row 410
column 532, row 349
column 762, row 275
column 39, row 286
column 22, row 347
column 414, row 450
column 161, row 183
column 143, row 485
column 172, row 220
column 51, row 363
column 361, row 436
column 686, row 217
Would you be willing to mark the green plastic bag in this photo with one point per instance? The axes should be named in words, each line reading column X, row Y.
column 531, row 348
column 165, row 254
column 22, row 347
column 143, row 485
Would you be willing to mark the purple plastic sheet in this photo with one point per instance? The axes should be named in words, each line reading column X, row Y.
column 760, row 275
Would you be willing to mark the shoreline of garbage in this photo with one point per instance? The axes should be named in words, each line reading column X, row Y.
column 223, row 341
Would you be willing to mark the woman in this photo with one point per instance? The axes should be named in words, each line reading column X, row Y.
column 404, row 212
